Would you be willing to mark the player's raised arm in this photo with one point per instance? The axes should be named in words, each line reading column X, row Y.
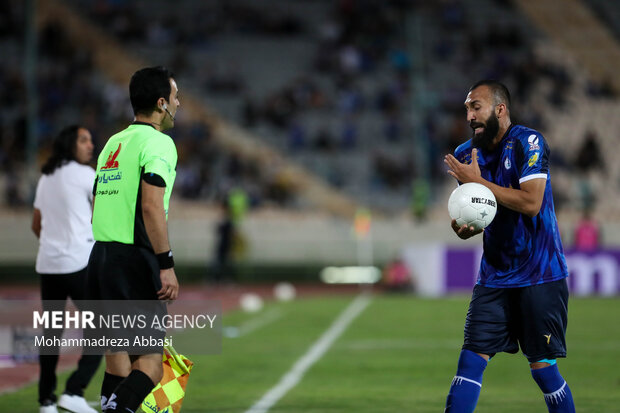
column 526, row 200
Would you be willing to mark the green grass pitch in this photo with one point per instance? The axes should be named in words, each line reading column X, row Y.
column 399, row 355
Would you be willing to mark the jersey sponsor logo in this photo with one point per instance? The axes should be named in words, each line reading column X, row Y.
column 104, row 178
column 483, row 201
column 533, row 141
column 532, row 159
column 548, row 337
column 112, row 163
column 507, row 163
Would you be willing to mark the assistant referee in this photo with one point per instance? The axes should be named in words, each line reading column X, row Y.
column 131, row 258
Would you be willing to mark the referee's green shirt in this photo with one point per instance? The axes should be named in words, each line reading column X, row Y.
column 139, row 149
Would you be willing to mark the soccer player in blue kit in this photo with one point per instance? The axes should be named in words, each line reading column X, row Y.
column 521, row 296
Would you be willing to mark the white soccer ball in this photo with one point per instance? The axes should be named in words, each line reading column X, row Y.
column 284, row 291
column 250, row 302
column 472, row 204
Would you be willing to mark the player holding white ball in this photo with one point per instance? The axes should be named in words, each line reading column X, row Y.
column 521, row 296
column 472, row 205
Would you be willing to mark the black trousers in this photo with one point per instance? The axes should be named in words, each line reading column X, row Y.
column 59, row 287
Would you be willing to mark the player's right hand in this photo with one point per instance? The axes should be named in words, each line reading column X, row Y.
column 464, row 231
column 169, row 285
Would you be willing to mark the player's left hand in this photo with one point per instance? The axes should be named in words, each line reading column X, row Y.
column 464, row 173
column 464, row 232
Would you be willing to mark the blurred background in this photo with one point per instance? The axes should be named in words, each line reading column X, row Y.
column 311, row 133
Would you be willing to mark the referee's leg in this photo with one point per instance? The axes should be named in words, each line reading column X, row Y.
column 135, row 375
column 141, row 374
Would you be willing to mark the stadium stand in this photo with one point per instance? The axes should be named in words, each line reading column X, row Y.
column 323, row 87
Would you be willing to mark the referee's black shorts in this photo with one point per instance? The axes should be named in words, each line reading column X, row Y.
column 534, row 317
column 120, row 272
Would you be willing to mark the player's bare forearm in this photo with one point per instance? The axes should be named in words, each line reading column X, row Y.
column 36, row 222
column 154, row 217
column 526, row 200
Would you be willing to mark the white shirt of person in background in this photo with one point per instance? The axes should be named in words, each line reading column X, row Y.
column 63, row 204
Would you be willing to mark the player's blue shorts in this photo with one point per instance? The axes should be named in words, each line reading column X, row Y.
column 534, row 317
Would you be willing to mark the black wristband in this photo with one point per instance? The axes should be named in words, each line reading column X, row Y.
column 165, row 260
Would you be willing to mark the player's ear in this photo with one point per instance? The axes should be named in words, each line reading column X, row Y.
column 500, row 110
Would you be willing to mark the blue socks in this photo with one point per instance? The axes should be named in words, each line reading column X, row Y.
column 466, row 384
column 557, row 394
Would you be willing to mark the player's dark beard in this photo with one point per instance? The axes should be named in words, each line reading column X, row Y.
column 485, row 139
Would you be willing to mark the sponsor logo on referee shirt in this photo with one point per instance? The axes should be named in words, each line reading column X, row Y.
column 109, row 171
column 112, row 163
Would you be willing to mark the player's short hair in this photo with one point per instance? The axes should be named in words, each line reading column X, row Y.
column 147, row 86
column 63, row 149
column 499, row 90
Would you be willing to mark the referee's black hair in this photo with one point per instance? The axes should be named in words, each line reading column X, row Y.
column 63, row 149
column 147, row 86
column 500, row 91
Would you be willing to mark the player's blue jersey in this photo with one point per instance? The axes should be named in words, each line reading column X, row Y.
column 519, row 250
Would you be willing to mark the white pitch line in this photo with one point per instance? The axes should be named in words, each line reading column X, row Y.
column 256, row 323
column 318, row 349
column 253, row 324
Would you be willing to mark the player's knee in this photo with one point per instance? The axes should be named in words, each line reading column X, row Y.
column 541, row 364
column 472, row 361
column 486, row 357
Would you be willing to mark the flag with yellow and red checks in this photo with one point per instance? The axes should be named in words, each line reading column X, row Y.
column 169, row 393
